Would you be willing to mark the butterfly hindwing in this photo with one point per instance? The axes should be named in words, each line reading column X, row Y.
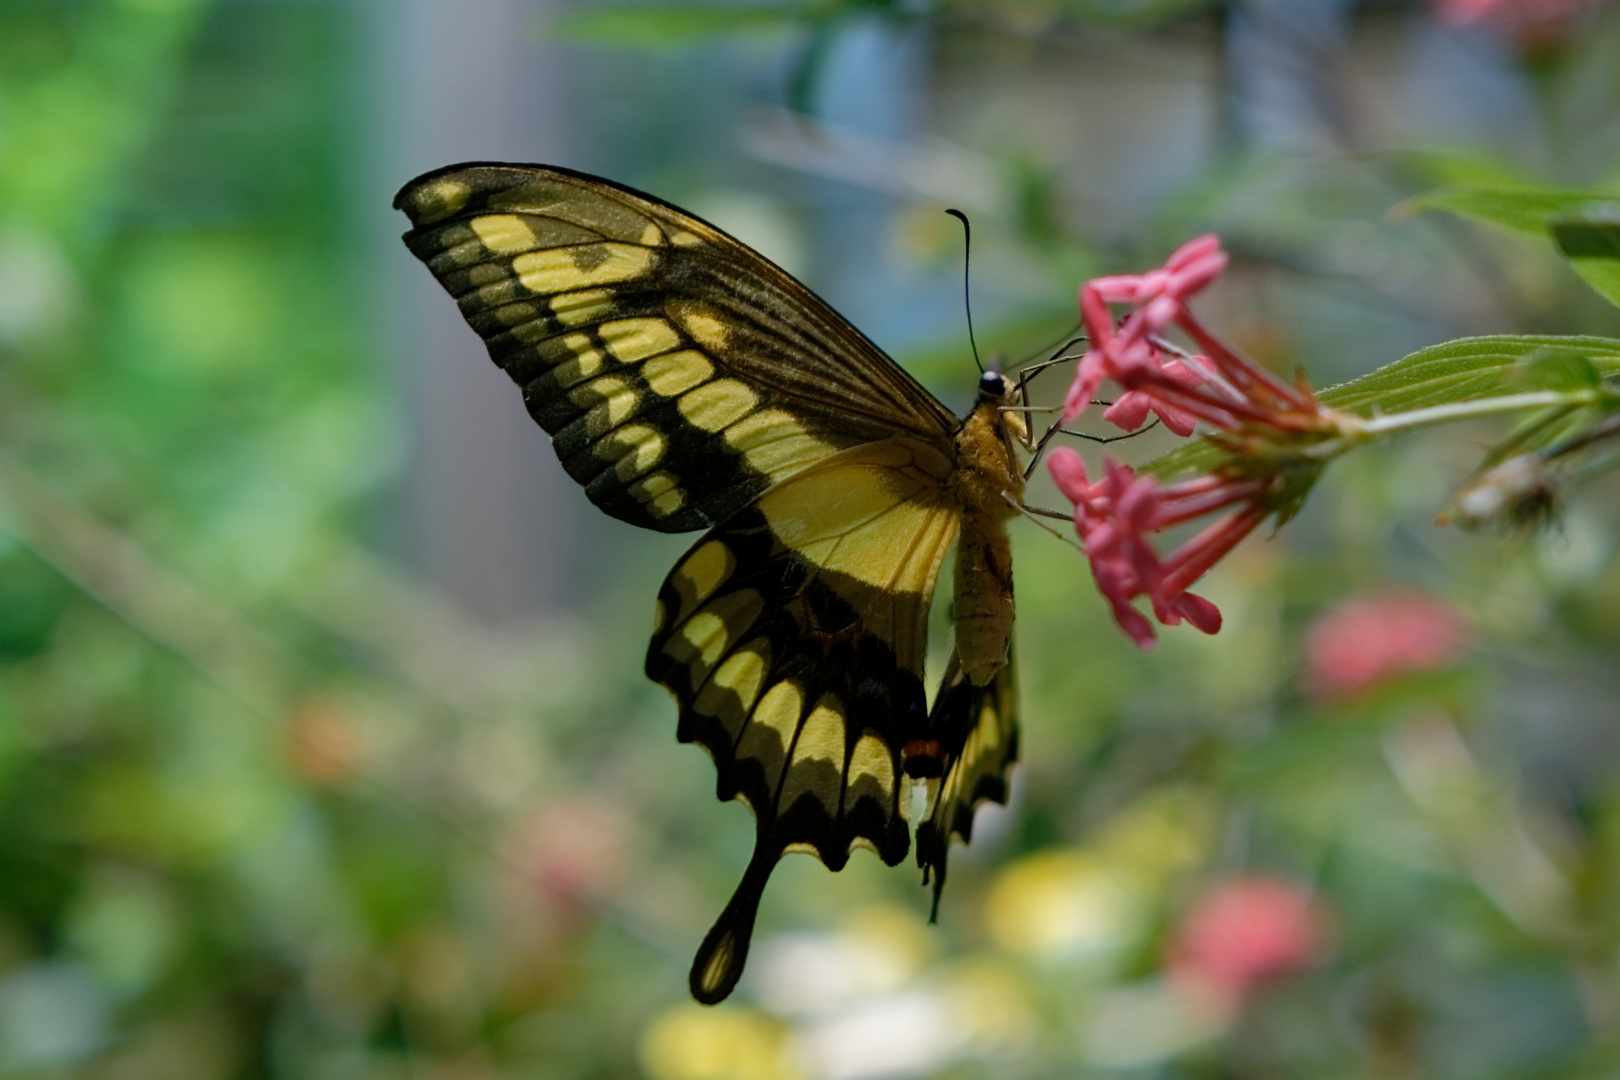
column 679, row 373
column 793, row 638
column 977, row 727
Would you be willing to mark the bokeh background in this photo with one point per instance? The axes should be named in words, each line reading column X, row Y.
column 324, row 747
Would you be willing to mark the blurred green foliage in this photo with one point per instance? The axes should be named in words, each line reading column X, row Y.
column 271, row 805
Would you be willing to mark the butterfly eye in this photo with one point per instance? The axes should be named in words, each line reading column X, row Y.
column 991, row 384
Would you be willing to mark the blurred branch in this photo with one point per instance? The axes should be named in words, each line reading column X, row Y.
column 434, row 652
column 421, row 638
column 933, row 170
column 1445, row 782
column 215, row 641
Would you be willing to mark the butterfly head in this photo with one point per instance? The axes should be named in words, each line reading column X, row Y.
column 992, row 385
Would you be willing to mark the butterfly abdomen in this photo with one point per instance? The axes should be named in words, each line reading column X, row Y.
column 987, row 484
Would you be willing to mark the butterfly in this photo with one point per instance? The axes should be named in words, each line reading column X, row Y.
column 689, row 383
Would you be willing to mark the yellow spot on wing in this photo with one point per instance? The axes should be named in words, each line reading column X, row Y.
column 716, row 405
column 653, row 485
column 667, row 503
column 441, row 199
column 587, row 361
column 706, row 328
column 493, row 296
column 652, row 235
column 731, row 690
column 637, row 448
column 636, row 339
column 773, row 722
column 464, row 254
column 503, row 234
column 872, row 759
column 704, row 571
column 773, row 442
column 705, row 632
column 823, row 734
column 558, row 269
column 659, row 492
column 574, row 308
column 703, row 638
column 523, row 318
column 613, row 399
column 821, row 739
column 677, row 372
column 831, row 503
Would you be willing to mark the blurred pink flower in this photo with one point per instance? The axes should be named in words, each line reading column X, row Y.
column 1245, row 932
column 1364, row 641
column 1534, row 24
column 575, row 847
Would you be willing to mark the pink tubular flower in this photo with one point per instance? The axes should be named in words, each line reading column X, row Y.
column 1115, row 515
column 1133, row 406
column 1221, row 388
column 1159, row 297
column 1246, row 932
column 1363, row 642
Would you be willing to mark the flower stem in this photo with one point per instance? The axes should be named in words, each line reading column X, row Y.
column 1463, row 410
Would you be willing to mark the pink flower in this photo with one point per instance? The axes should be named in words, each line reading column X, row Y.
column 1132, row 407
column 1159, row 297
column 1116, row 515
column 1363, row 642
column 1246, row 932
column 1221, row 388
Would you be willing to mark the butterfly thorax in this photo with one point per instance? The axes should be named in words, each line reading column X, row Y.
column 988, row 485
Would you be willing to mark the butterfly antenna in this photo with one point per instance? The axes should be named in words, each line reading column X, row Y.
column 967, row 303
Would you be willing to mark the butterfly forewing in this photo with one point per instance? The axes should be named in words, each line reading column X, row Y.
column 679, row 373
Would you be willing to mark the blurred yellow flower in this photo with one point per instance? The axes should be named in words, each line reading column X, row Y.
column 693, row 1043
column 1062, row 903
column 1159, row 836
column 990, row 1006
column 894, row 941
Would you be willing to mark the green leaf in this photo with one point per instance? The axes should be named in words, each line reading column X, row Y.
column 1462, row 370
column 1459, row 166
column 1453, row 371
column 1528, row 208
column 666, row 26
column 1592, row 246
column 1556, row 369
